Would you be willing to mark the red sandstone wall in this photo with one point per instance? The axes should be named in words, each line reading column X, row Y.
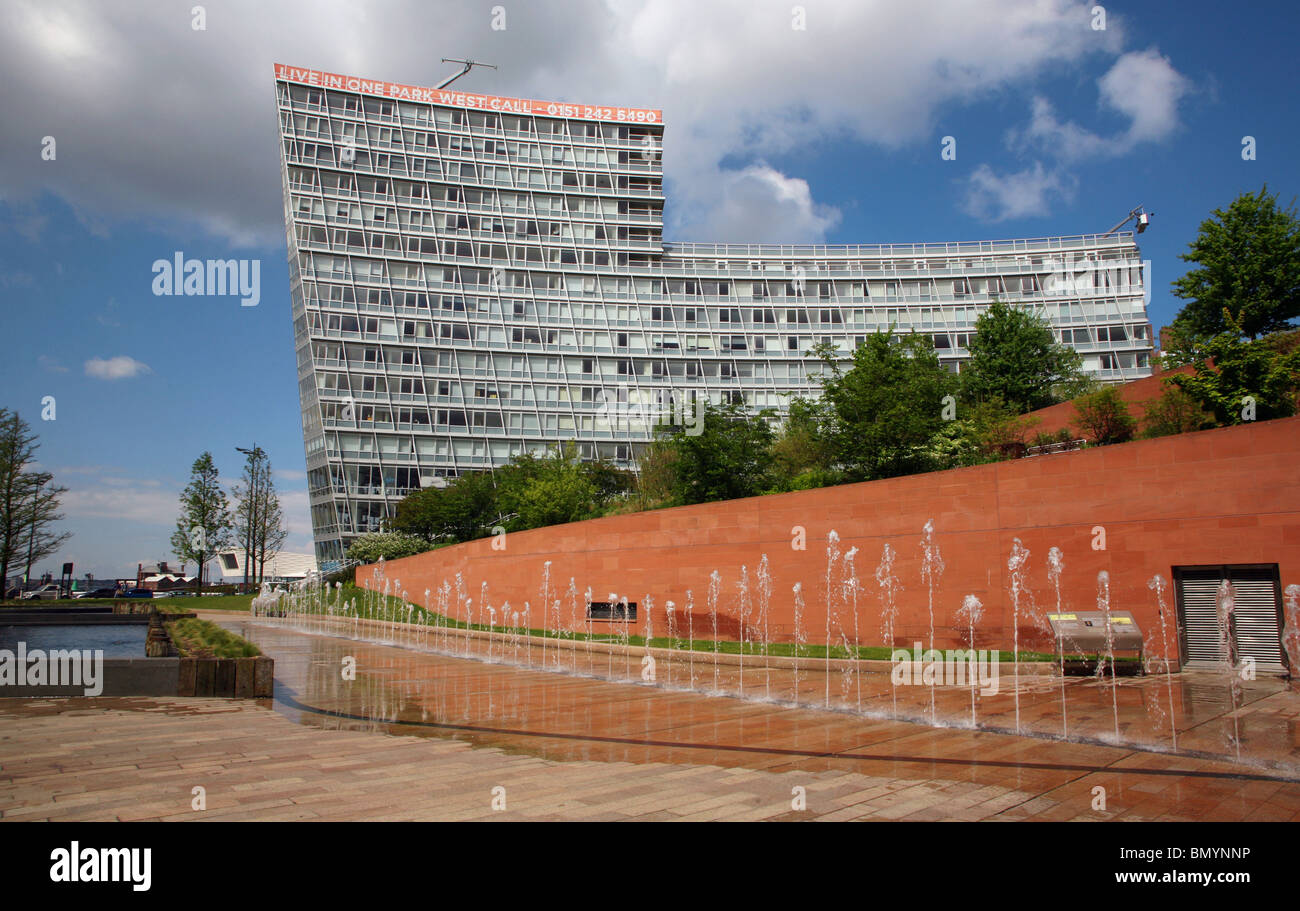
column 1135, row 394
column 1230, row 495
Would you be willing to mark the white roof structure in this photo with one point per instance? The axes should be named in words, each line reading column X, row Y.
column 283, row 567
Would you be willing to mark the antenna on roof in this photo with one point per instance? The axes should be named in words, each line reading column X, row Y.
column 469, row 65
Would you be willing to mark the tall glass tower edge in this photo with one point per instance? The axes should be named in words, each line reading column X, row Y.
column 474, row 276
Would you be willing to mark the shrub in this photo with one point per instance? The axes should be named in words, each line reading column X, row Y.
column 1104, row 417
column 203, row 639
column 815, row 477
column 347, row 576
column 1002, row 434
column 390, row 545
column 553, row 499
column 1174, row 412
column 1052, row 438
column 1230, row 373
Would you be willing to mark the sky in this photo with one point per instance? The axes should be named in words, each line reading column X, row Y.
column 131, row 133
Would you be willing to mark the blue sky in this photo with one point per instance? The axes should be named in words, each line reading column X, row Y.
column 166, row 141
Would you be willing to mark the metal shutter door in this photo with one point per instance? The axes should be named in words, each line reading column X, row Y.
column 1255, row 619
column 1197, row 591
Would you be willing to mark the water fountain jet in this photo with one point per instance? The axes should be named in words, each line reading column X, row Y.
column 1055, row 565
column 931, row 570
column 1158, row 585
column 972, row 609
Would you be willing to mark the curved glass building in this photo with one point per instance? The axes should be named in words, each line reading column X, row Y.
column 476, row 276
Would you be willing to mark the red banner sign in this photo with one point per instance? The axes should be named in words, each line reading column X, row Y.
column 466, row 100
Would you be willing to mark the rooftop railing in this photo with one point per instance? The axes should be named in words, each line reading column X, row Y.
column 951, row 248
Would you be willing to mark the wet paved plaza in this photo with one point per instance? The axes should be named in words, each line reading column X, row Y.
column 422, row 735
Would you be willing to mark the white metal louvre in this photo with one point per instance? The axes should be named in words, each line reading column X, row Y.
column 1197, row 591
column 1255, row 619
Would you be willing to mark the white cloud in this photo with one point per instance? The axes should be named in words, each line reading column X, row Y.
column 759, row 204
column 297, row 519
column 1067, row 141
column 115, row 368
column 1145, row 87
column 183, row 126
column 1021, row 194
column 1141, row 86
column 51, row 364
column 87, row 469
column 125, row 499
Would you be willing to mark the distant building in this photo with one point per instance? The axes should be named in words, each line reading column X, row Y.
column 159, row 577
column 280, row 569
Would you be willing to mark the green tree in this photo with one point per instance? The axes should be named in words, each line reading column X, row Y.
column 528, row 492
column 511, row 485
column 40, row 513
column 204, row 525
column 1172, row 413
column 1000, row 432
column 1105, row 417
column 258, row 516
column 1015, row 357
column 269, row 532
column 611, row 484
column 1248, row 263
column 1239, row 381
column 564, row 494
column 463, row 510
column 17, row 451
column 885, row 412
column 1180, row 346
column 727, row 459
column 29, row 500
column 802, row 456
column 247, row 500
column 655, row 475
column 390, row 545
